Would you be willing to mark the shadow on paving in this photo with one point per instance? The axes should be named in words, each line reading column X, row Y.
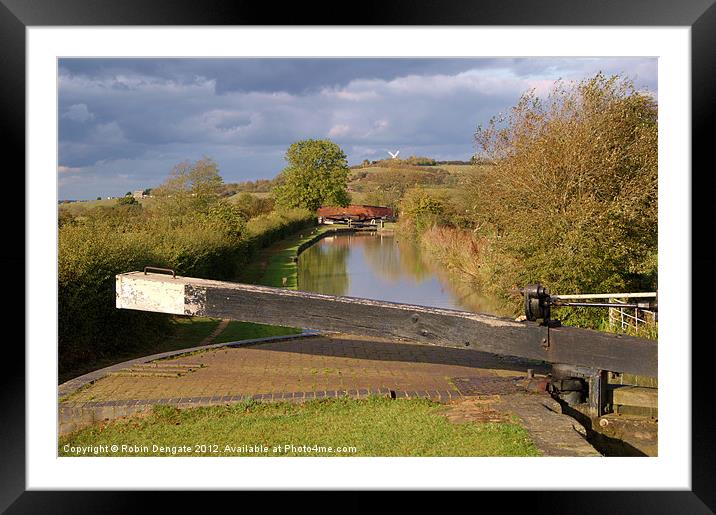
column 372, row 349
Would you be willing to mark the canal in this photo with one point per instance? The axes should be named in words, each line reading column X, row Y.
column 384, row 267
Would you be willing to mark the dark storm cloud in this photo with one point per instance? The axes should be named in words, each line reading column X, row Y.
column 294, row 76
column 123, row 123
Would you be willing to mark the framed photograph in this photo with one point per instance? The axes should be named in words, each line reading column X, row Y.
column 153, row 100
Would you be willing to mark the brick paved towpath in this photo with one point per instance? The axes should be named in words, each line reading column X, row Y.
column 289, row 369
column 303, row 365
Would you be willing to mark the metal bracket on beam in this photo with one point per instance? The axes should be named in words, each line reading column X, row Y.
column 538, row 302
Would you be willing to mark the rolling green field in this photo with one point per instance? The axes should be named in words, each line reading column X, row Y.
column 331, row 427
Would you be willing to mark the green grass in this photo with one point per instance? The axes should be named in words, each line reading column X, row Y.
column 269, row 269
column 190, row 331
column 373, row 427
column 370, row 427
column 462, row 169
column 236, row 331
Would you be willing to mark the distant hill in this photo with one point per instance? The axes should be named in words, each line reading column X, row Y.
column 416, row 161
column 384, row 182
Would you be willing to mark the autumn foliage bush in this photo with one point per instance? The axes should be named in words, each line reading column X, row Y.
column 423, row 209
column 571, row 200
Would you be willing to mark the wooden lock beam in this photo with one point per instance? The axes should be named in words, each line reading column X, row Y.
column 426, row 325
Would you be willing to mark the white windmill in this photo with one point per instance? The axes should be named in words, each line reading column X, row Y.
column 392, row 155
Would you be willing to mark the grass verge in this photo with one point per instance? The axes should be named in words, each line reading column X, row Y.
column 331, row 427
column 237, row 331
column 277, row 261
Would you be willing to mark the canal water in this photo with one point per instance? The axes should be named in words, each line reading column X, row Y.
column 384, row 267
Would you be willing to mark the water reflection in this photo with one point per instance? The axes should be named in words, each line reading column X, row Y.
column 394, row 258
column 322, row 267
column 384, row 267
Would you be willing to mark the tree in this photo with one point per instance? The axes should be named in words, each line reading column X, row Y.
column 200, row 178
column 204, row 177
column 127, row 200
column 571, row 200
column 191, row 186
column 316, row 175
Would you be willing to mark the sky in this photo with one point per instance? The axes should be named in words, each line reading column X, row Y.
column 124, row 123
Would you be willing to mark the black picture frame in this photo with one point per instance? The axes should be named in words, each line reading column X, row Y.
column 700, row 15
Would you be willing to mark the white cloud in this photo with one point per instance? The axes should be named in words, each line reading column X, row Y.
column 69, row 170
column 78, row 113
column 108, row 134
column 352, row 96
column 339, row 130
